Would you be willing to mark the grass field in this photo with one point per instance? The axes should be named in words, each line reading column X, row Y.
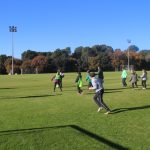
column 33, row 117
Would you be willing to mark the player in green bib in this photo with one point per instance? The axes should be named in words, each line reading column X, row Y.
column 79, row 83
column 88, row 79
column 57, row 80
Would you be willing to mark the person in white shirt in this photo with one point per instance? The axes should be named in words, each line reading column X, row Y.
column 99, row 91
column 61, row 77
column 144, row 78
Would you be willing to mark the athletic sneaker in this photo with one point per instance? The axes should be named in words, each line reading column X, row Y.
column 99, row 109
column 108, row 112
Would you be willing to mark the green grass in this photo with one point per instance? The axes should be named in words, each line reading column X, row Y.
column 33, row 117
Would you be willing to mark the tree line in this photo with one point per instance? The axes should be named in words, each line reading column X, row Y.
column 83, row 58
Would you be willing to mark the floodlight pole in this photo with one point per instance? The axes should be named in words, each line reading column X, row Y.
column 12, row 29
column 129, row 41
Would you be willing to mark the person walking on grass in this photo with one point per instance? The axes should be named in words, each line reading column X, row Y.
column 79, row 83
column 57, row 80
column 133, row 79
column 99, row 91
column 144, row 79
column 124, row 77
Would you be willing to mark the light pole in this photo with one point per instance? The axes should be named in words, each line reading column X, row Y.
column 129, row 41
column 12, row 29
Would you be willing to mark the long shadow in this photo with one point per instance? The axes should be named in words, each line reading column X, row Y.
column 112, row 91
column 7, row 88
column 37, row 96
column 75, row 127
column 100, row 138
column 122, row 88
column 119, row 110
column 32, row 96
column 104, row 92
column 143, row 90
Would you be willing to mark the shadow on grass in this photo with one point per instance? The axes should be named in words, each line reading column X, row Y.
column 32, row 96
column 119, row 110
column 37, row 96
column 7, row 88
column 112, row 91
column 121, row 88
column 125, row 88
column 92, row 93
column 144, row 89
column 75, row 127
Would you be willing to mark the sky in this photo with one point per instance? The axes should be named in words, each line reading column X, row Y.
column 45, row 25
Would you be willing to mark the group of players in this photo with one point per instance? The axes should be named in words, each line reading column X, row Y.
column 134, row 78
column 95, row 82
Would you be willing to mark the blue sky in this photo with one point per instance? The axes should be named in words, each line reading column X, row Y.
column 45, row 25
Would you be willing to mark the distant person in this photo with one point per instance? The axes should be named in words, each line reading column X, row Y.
column 124, row 77
column 98, row 97
column 88, row 79
column 61, row 77
column 144, row 79
column 57, row 80
column 100, row 75
column 79, row 83
column 133, row 79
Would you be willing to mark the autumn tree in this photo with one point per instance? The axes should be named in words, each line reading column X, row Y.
column 17, row 65
column 27, row 67
column 118, row 59
column 135, row 59
column 40, row 63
